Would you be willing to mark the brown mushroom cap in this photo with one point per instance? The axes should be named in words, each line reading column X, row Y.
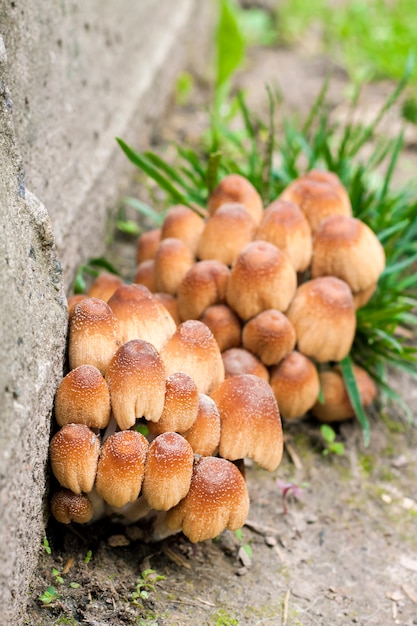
column 330, row 178
column 204, row 434
column 94, row 334
column 224, row 324
column 236, row 188
column 145, row 275
column 324, row 319
column 217, row 499
column 225, row 233
column 250, row 421
column 204, row 284
column 170, row 303
column 73, row 453
column 180, row 407
column 360, row 298
column 141, row 315
column 136, row 380
column 73, row 301
column 68, row 507
column 295, row 383
column 104, row 286
column 270, row 335
column 241, row 361
column 347, row 248
column 147, row 245
column 83, row 398
column 193, row 350
column 168, row 470
column 121, row 467
column 173, row 259
column 183, row 223
column 285, row 226
column 261, row 278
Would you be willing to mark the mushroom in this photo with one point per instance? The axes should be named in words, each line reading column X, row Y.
column 241, row 361
column 224, row 324
column 347, row 248
column 141, row 315
column 285, row 225
column 250, row 421
column 104, row 286
column 83, row 398
column 94, row 334
column 121, row 466
column 147, row 245
column 193, row 349
column 295, row 383
column 145, row 275
column 73, row 453
column 330, row 178
column 204, row 284
column 68, row 507
column 324, row 319
column 180, row 407
column 261, row 278
column 217, row 499
column 270, row 335
column 170, row 303
column 136, row 380
column 73, row 301
column 168, row 470
column 236, row 188
column 204, row 434
column 225, row 233
column 183, row 223
column 173, row 259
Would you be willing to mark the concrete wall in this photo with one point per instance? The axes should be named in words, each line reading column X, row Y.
column 77, row 75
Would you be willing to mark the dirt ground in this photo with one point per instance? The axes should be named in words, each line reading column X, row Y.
column 346, row 550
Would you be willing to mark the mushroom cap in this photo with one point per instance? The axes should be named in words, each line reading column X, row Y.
column 261, row 278
column 83, row 398
column 225, row 233
column 136, row 380
column 183, row 223
column 193, row 349
column 104, row 286
column 360, row 298
column 180, row 407
column 94, row 334
column 145, row 275
column 347, row 248
column 217, row 499
column 147, row 245
column 204, row 434
column 73, row 301
column 324, row 319
column 241, row 361
column 330, row 178
column 121, row 467
column 236, row 188
column 73, row 453
column 250, row 421
column 170, row 303
column 285, row 226
column 224, row 324
column 173, row 259
column 68, row 507
column 337, row 406
column 141, row 315
column 204, row 284
column 168, row 470
column 270, row 335
column 295, row 383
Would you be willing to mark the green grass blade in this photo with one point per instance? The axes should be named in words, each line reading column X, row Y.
column 144, row 209
column 346, row 367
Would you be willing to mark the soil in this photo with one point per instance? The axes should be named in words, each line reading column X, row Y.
column 344, row 551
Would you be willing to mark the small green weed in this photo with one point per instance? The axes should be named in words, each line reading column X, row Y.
column 46, row 546
column 88, row 557
column 245, row 545
column 92, row 268
column 332, row 446
column 223, row 618
column 49, row 596
column 145, row 585
column 57, row 576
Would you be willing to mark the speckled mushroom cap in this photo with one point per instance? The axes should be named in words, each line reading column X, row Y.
column 224, row 324
column 183, row 223
column 173, row 259
column 170, row 303
column 204, row 284
column 337, row 406
column 73, row 301
column 241, row 361
column 204, row 434
column 94, row 334
column 324, row 319
column 168, row 470
column 137, row 383
column 180, row 406
column 261, row 278
column 121, row 467
column 68, row 507
column 104, row 286
column 193, row 350
column 250, row 421
column 347, row 248
column 141, row 315
column 270, row 335
column 145, row 275
column 147, row 245
column 285, row 225
column 329, row 178
column 225, row 233
column 83, row 398
column 217, row 499
column 295, row 383
column 73, row 453
column 236, row 188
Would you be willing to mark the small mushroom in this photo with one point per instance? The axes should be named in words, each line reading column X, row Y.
column 240, row 361
column 104, row 286
column 170, row 303
column 204, row 434
column 217, row 499
column 147, row 245
column 270, row 335
column 236, row 188
column 204, row 284
column 173, row 259
column 68, row 507
column 73, row 301
column 180, row 407
column 295, row 383
column 145, row 275
column 224, row 324
column 73, row 453
column 183, row 223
